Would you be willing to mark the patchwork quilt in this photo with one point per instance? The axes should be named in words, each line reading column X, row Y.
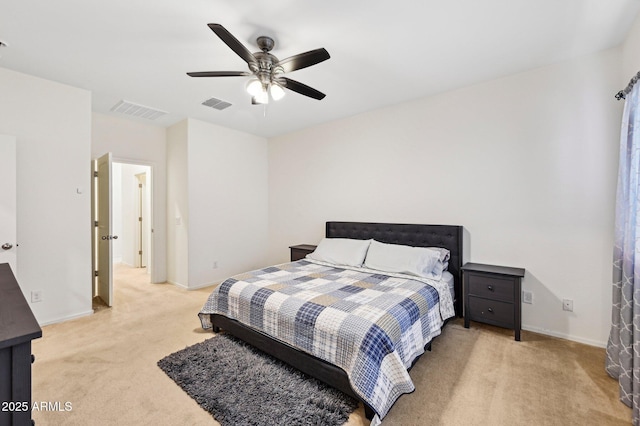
column 371, row 325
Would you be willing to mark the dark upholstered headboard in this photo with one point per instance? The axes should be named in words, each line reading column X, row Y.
column 447, row 236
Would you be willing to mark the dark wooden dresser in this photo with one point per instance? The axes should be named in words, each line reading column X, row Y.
column 300, row 251
column 18, row 327
column 492, row 295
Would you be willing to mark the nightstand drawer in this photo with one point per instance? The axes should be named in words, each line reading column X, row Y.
column 491, row 287
column 491, row 311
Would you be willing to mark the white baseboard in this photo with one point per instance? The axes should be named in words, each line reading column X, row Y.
column 66, row 318
column 204, row 286
column 193, row 288
column 178, row 284
column 552, row 333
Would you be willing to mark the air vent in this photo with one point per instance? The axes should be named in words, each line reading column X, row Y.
column 129, row 108
column 216, row 103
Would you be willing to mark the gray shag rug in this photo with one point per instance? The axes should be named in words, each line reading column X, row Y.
column 241, row 385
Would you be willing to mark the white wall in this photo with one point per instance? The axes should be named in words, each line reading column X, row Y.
column 52, row 124
column 217, row 202
column 527, row 163
column 631, row 54
column 133, row 142
column 228, row 202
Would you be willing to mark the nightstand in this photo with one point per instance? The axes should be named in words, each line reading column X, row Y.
column 492, row 295
column 300, row 251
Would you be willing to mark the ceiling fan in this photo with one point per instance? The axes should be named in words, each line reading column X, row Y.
column 267, row 70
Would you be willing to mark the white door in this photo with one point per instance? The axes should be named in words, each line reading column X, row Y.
column 8, row 202
column 104, row 234
column 142, row 237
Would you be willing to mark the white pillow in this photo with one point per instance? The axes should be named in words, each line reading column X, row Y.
column 341, row 251
column 444, row 253
column 438, row 270
column 418, row 261
column 442, row 264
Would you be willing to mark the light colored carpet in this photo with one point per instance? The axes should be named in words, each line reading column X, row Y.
column 105, row 366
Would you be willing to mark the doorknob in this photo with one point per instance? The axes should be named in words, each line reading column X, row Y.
column 7, row 246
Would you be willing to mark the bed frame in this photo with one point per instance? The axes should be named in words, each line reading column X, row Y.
column 447, row 236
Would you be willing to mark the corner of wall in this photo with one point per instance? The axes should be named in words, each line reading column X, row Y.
column 177, row 204
column 631, row 52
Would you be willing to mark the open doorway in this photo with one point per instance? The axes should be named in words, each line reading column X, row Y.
column 131, row 215
column 123, row 236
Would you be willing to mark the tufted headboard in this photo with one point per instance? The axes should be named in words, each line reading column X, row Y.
column 447, row 236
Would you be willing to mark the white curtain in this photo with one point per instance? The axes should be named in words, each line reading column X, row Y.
column 623, row 348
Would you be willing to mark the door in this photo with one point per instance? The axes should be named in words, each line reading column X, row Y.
column 104, row 232
column 8, row 201
column 142, row 219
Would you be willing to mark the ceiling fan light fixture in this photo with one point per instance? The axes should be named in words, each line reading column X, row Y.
column 276, row 91
column 254, row 87
column 261, row 97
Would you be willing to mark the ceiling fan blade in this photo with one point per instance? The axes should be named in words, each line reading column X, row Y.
column 218, row 74
column 233, row 43
column 304, row 60
column 303, row 89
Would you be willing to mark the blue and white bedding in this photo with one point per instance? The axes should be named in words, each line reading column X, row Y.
column 371, row 324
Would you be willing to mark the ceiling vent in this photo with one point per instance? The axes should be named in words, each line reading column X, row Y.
column 129, row 108
column 216, row 104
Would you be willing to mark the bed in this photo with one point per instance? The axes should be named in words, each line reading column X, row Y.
column 384, row 359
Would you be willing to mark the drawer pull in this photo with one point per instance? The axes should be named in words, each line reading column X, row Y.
column 490, row 310
column 490, row 287
column 33, row 358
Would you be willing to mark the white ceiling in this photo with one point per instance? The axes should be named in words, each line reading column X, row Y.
column 382, row 52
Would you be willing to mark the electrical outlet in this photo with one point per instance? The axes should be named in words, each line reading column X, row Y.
column 527, row 297
column 567, row 305
column 36, row 296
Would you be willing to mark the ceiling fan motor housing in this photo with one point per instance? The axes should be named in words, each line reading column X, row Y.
column 264, row 69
